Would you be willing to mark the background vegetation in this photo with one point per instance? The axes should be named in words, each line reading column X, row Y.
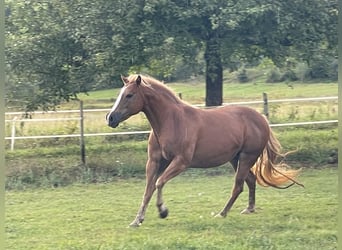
column 57, row 49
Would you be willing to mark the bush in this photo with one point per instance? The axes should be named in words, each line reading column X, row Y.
column 242, row 76
column 274, row 75
column 301, row 71
column 322, row 67
column 289, row 75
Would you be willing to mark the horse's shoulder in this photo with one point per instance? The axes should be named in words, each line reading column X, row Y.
column 190, row 111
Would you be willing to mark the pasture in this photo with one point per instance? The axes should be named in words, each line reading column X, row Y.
column 96, row 216
column 54, row 202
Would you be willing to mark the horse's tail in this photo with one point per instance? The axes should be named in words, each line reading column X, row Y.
column 270, row 173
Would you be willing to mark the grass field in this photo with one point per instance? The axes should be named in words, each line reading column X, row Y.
column 94, row 216
column 54, row 202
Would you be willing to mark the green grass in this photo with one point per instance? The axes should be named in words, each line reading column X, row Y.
column 96, row 216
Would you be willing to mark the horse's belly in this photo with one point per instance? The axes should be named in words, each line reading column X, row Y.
column 208, row 164
column 213, row 156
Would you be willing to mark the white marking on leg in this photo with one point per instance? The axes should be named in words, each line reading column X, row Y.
column 162, row 208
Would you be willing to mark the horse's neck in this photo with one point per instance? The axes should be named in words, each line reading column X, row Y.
column 158, row 111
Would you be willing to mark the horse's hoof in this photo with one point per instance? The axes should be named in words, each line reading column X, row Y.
column 163, row 214
column 219, row 216
column 134, row 224
column 248, row 211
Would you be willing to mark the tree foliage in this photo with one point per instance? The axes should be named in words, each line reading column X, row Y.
column 57, row 49
column 46, row 63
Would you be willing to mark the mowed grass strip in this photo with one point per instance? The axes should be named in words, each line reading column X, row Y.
column 97, row 216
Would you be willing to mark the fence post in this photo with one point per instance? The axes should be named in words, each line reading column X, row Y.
column 264, row 96
column 13, row 133
column 82, row 145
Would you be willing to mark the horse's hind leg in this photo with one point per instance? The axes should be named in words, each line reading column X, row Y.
column 251, row 183
column 246, row 161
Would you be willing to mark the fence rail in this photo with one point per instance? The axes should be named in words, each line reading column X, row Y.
column 81, row 111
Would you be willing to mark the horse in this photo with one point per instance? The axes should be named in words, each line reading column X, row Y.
column 184, row 137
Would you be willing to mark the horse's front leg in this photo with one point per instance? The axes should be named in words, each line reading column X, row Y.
column 176, row 166
column 151, row 177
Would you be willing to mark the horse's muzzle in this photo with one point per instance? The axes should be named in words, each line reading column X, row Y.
column 113, row 119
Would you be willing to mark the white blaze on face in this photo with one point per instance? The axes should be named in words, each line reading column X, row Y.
column 116, row 104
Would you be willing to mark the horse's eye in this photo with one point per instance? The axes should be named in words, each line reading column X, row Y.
column 129, row 95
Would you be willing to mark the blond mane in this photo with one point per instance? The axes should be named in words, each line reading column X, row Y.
column 159, row 87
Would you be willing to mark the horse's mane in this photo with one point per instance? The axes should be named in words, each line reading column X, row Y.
column 159, row 87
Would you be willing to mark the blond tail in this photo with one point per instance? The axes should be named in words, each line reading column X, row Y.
column 270, row 173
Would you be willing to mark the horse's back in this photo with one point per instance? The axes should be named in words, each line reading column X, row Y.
column 236, row 116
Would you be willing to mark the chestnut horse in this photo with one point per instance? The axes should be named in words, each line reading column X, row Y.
column 183, row 136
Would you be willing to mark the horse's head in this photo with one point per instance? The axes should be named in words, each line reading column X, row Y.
column 129, row 102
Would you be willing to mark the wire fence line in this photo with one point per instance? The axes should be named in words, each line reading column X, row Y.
column 81, row 111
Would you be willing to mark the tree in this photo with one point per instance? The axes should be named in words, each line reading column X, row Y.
column 248, row 30
column 45, row 62
column 56, row 49
column 209, row 24
column 310, row 29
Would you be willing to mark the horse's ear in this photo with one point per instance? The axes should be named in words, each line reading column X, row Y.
column 138, row 81
column 124, row 79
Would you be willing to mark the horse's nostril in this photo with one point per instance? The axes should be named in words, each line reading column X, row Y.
column 109, row 117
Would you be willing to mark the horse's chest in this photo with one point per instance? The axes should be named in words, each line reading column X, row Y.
column 172, row 148
column 168, row 150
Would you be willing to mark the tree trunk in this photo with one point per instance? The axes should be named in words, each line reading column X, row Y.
column 214, row 72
